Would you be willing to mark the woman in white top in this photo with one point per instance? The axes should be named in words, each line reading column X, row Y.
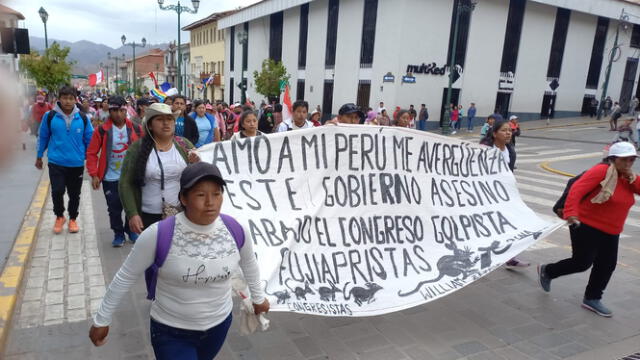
column 191, row 313
column 499, row 137
column 152, row 167
column 248, row 126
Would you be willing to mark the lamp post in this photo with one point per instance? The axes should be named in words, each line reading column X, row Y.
column 463, row 6
column 116, row 58
column 44, row 15
column 243, row 37
column 179, row 9
column 134, row 46
column 184, row 77
column 101, row 66
column 624, row 18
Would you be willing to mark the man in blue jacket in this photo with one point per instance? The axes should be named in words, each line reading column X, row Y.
column 65, row 133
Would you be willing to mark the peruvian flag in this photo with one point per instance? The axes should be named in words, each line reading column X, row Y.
column 153, row 77
column 287, row 106
column 96, row 78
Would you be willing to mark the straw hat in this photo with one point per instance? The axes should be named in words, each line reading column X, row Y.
column 159, row 109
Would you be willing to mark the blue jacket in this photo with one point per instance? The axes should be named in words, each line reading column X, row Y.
column 66, row 143
column 472, row 112
column 214, row 125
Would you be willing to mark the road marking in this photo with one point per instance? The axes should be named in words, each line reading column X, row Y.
column 563, row 158
column 541, row 181
column 548, row 152
column 13, row 273
column 541, row 173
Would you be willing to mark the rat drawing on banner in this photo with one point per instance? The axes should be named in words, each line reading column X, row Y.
column 360, row 294
column 328, row 293
column 282, row 296
column 300, row 292
column 485, row 257
column 459, row 263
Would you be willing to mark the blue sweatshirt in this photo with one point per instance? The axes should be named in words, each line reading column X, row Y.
column 67, row 140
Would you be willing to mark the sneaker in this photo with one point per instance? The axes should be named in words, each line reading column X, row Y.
column 73, row 226
column 57, row 227
column 516, row 264
column 543, row 278
column 132, row 237
column 118, row 240
column 453, row 132
column 597, row 307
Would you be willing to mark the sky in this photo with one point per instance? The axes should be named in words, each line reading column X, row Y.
column 104, row 22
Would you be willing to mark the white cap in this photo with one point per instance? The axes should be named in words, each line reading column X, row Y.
column 99, row 100
column 512, row 117
column 622, row 149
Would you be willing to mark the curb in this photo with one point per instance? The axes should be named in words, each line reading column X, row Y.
column 545, row 166
column 14, row 269
column 563, row 125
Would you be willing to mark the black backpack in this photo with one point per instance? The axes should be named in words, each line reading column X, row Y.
column 136, row 128
column 559, row 205
column 52, row 113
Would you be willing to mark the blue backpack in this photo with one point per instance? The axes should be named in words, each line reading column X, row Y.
column 163, row 244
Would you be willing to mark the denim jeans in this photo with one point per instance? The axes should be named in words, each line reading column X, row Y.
column 114, row 206
column 65, row 178
column 170, row 343
column 422, row 125
column 470, row 123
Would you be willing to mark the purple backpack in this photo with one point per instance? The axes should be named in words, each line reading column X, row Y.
column 163, row 244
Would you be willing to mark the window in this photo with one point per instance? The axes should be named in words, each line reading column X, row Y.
column 232, row 47
column 463, row 33
column 231, row 90
column 557, row 44
column 302, row 41
column 327, row 100
column 368, row 32
column 364, row 92
column 300, row 90
column 512, row 36
column 213, row 67
column 635, row 37
column 332, row 35
column 211, row 36
column 275, row 37
column 597, row 53
column 245, row 48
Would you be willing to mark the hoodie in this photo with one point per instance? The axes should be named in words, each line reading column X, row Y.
column 67, row 140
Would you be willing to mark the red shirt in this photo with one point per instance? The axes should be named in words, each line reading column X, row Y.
column 38, row 111
column 608, row 217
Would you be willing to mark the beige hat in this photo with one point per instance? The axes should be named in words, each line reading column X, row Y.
column 156, row 109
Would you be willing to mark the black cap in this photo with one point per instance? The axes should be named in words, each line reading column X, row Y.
column 350, row 108
column 143, row 102
column 196, row 172
column 117, row 101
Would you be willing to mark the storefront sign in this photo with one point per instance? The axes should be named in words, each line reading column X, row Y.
column 409, row 79
column 506, row 81
column 355, row 220
column 427, row 69
column 389, row 77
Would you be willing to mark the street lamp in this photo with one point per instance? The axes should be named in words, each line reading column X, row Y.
column 101, row 66
column 243, row 37
column 624, row 22
column 463, row 6
column 44, row 15
column 134, row 46
column 116, row 58
column 179, row 9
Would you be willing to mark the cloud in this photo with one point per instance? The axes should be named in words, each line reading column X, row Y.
column 104, row 22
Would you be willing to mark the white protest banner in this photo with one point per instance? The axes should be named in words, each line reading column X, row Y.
column 356, row 220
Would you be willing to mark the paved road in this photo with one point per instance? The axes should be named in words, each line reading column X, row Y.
column 19, row 180
column 502, row 316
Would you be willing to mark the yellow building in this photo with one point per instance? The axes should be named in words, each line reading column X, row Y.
column 207, row 56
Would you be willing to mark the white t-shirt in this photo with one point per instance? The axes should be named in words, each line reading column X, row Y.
column 173, row 164
column 119, row 147
column 284, row 126
column 505, row 154
column 193, row 290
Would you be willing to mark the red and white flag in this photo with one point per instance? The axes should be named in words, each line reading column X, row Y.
column 153, row 77
column 96, row 78
column 287, row 106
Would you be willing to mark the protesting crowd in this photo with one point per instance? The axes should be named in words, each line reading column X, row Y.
column 141, row 152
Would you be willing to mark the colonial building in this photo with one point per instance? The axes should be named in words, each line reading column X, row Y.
column 9, row 19
column 207, row 56
column 152, row 61
column 171, row 66
column 535, row 58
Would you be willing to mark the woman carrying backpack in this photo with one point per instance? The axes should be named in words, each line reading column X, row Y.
column 596, row 208
column 191, row 311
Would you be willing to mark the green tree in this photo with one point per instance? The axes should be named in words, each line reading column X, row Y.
column 49, row 71
column 269, row 78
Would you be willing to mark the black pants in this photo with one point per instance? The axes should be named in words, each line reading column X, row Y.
column 114, row 207
column 149, row 219
column 589, row 247
column 65, row 178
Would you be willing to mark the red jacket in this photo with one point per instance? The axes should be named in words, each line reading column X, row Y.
column 100, row 146
column 608, row 217
column 38, row 111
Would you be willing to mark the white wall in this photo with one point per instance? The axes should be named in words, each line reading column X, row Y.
column 345, row 87
column 479, row 83
column 258, row 51
column 290, row 44
column 316, row 47
column 533, row 58
column 575, row 62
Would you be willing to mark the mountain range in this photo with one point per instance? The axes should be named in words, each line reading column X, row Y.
column 88, row 55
